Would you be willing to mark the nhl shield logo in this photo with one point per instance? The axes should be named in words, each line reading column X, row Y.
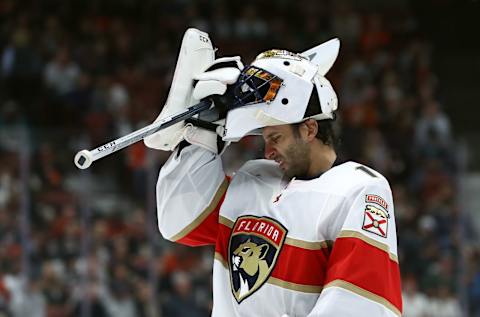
column 253, row 250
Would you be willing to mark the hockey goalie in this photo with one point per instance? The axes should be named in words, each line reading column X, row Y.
column 299, row 233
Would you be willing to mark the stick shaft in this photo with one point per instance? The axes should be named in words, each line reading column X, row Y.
column 82, row 161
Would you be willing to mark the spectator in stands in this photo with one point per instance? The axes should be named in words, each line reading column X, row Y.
column 62, row 73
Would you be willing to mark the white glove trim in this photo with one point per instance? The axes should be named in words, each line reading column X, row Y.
column 207, row 88
column 227, row 75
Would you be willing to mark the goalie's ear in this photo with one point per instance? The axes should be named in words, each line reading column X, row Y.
column 324, row 55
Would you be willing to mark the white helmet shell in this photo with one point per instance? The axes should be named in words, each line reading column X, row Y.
column 299, row 73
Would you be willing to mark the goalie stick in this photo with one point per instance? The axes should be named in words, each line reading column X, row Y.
column 84, row 158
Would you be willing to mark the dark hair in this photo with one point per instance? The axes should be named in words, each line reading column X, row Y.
column 326, row 132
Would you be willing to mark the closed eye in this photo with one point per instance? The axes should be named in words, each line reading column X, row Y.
column 275, row 138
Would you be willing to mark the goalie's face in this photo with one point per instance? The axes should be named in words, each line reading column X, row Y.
column 289, row 148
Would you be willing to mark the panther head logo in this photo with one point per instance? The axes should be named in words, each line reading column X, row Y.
column 248, row 261
column 254, row 246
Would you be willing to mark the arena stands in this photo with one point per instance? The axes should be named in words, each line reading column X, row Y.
column 75, row 74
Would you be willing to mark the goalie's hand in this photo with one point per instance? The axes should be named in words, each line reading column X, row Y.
column 216, row 78
column 212, row 84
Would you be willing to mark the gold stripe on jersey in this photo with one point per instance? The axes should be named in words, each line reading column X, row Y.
column 225, row 221
column 364, row 293
column 220, row 258
column 204, row 214
column 308, row 245
column 294, row 286
column 372, row 242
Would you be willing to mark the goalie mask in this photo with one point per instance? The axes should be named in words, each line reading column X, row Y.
column 276, row 89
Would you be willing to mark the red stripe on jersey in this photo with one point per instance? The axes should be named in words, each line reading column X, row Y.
column 206, row 232
column 301, row 266
column 221, row 247
column 370, row 268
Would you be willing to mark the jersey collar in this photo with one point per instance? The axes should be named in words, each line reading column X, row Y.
column 337, row 161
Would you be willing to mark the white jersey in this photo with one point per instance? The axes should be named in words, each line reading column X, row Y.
column 320, row 247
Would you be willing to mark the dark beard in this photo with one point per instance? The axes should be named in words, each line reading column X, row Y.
column 297, row 158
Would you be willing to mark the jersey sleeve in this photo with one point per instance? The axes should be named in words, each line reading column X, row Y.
column 362, row 275
column 190, row 190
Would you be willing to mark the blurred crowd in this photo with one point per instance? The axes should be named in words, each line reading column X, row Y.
column 76, row 74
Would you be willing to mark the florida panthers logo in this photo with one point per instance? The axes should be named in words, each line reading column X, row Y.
column 253, row 250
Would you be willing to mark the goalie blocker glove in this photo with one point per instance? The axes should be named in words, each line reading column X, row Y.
column 197, row 77
column 207, row 129
column 190, row 84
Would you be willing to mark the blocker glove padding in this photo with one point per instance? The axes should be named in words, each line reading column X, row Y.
column 205, row 130
column 216, row 84
column 196, row 54
column 198, row 76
